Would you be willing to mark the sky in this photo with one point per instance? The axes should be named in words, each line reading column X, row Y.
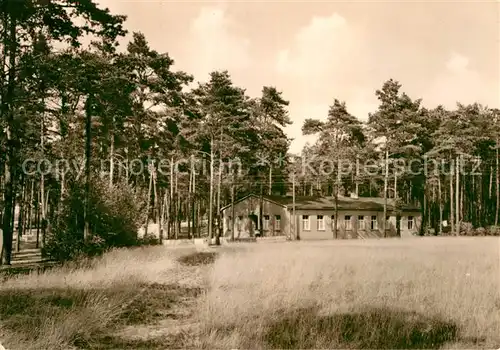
column 316, row 51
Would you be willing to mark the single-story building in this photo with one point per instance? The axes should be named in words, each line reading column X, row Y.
column 358, row 217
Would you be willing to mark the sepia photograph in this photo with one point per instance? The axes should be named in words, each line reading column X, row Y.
column 249, row 174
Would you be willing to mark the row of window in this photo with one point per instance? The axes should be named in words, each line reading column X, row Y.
column 362, row 222
column 265, row 222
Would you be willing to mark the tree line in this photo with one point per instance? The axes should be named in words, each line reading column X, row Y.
column 444, row 160
column 62, row 99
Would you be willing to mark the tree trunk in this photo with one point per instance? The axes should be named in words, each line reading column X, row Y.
column 232, row 211
column 88, row 155
column 479, row 200
column 168, row 211
column 398, row 216
column 126, row 168
column 199, row 218
column 10, row 166
column 188, row 211
column 428, row 205
column 357, row 176
column 162, row 216
column 270, row 192
column 171, row 226
column 3, row 108
column 457, row 199
column 452, row 218
column 440, row 199
column 337, row 188
column 111, row 154
column 497, row 183
column 296, row 230
column 30, row 212
column 490, row 187
column 462, row 199
column 148, row 201
column 13, row 216
column 177, row 206
column 211, row 196
column 471, row 208
column 61, row 198
column 423, row 199
column 386, row 180
column 21, row 215
column 156, row 206
column 193, row 203
column 38, row 218
column 261, row 210
column 219, row 181
column 395, row 184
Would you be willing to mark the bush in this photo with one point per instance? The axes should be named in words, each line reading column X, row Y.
column 493, row 230
column 149, row 239
column 115, row 216
column 480, row 231
column 466, row 229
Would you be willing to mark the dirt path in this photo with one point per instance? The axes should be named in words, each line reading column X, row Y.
column 165, row 315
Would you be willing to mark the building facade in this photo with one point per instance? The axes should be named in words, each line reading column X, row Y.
column 315, row 217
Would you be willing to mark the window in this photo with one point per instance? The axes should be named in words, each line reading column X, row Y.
column 374, row 225
column 321, row 223
column 239, row 222
column 347, row 222
column 361, row 222
column 333, row 222
column 277, row 222
column 410, row 222
column 305, row 223
column 265, row 222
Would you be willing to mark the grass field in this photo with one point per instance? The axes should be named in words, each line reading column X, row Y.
column 416, row 293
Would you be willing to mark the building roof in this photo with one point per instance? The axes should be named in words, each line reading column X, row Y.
column 328, row 203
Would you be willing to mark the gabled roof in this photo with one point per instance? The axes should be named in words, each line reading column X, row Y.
column 266, row 198
column 328, row 203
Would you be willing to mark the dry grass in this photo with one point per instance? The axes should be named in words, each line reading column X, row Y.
column 198, row 258
column 418, row 293
column 81, row 306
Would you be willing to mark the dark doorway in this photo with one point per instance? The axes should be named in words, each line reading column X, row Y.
column 254, row 219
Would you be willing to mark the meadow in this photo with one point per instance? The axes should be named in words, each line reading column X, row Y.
column 417, row 293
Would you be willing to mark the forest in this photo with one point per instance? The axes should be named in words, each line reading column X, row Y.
column 99, row 139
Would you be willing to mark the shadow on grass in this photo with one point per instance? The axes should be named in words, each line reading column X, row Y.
column 109, row 342
column 366, row 329
column 9, row 271
column 31, row 313
column 29, row 306
column 198, row 258
column 31, row 302
column 22, row 312
column 155, row 302
column 178, row 341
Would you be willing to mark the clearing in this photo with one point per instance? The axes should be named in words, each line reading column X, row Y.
column 417, row 293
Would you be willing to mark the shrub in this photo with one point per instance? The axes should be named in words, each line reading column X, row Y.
column 466, row 229
column 149, row 239
column 115, row 215
column 480, row 231
column 493, row 230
